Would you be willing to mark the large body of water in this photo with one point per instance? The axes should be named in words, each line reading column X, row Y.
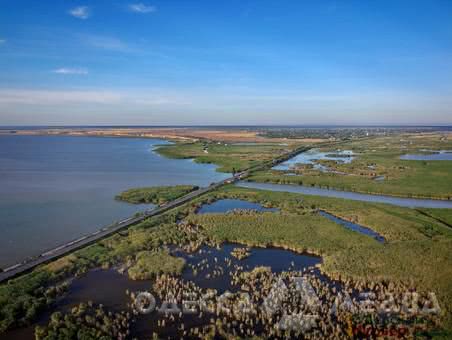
column 56, row 188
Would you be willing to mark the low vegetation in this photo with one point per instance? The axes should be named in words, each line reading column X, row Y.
column 150, row 263
column 240, row 253
column 85, row 321
column 155, row 195
column 23, row 299
column 229, row 157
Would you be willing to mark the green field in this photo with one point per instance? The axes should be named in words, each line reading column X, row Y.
column 379, row 157
column 228, row 157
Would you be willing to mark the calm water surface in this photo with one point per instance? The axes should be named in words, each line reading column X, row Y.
column 56, row 188
column 402, row 202
column 353, row 226
column 311, row 156
column 442, row 155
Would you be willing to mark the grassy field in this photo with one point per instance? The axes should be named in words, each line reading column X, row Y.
column 155, row 195
column 379, row 157
column 228, row 157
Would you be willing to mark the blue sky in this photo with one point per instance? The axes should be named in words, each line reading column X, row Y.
column 225, row 62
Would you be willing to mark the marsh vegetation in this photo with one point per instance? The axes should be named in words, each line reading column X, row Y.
column 229, row 157
column 155, row 195
column 377, row 158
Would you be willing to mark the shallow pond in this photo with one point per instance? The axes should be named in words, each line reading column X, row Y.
column 276, row 258
column 399, row 201
column 311, row 156
column 228, row 205
column 353, row 226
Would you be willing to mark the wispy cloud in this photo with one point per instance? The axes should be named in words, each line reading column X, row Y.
column 80, row 12
column 65, row 70
column 56, row 97
column 103, row 42
column 141, row 8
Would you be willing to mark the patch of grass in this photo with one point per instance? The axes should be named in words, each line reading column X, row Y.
column 155, row 195
column 150, row 263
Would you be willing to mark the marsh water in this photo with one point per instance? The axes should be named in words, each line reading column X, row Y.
column 441, row 155
column 353, row 226
column 54, row 189
column 300, row 189
column 311, row 156
column 108, row 287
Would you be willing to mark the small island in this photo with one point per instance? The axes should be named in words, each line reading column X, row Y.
column 155, row 195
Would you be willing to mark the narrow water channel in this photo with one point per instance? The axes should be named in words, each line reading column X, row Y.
column 300, row 189
column 353, row 226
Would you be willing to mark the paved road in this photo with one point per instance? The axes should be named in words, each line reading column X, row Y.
column 83, row 241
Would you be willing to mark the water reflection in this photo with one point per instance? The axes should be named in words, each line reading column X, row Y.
column 313, row 155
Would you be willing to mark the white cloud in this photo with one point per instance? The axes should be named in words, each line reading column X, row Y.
column 141, row 8
column 65, row 70
column 80, row 12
